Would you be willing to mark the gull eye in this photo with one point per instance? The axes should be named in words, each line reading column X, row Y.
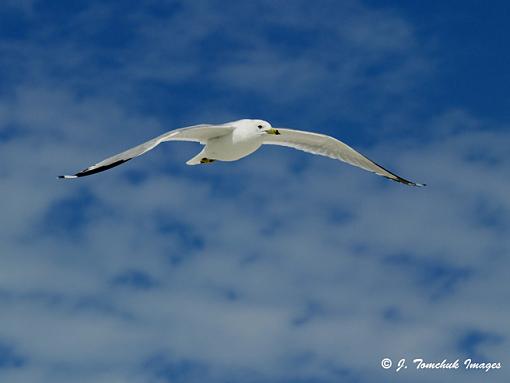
column 259, row 126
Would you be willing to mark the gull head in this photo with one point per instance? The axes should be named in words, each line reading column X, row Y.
column 264, row 127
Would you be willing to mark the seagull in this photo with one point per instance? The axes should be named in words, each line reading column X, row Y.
column 237, row 139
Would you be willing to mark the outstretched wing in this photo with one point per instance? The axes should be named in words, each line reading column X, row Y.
column 196, row 133
column 330, row 147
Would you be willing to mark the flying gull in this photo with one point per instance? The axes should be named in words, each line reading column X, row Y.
column 237, row 139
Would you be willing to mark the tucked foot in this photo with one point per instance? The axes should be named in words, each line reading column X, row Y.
column 206, row 160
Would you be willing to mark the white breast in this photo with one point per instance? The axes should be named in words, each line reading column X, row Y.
column 234, row 146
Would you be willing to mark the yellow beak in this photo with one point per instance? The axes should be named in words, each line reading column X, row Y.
column 273, row 131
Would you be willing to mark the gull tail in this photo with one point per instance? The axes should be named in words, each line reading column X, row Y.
column 197, row 160
column 194, row 161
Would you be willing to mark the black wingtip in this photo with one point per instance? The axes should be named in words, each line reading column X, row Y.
column 410, row 183
column 403, row 180
column 93, row 170
column 89, row 171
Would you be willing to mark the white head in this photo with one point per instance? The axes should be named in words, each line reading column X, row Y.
column 259, row 127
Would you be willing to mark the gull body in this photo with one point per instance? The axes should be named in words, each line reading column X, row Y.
column 245, row 139
column 237, row 139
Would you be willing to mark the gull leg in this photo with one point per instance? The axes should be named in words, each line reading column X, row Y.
column 206, row 160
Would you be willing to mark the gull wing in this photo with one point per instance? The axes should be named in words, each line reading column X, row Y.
column 196, row 133
column 327, row 146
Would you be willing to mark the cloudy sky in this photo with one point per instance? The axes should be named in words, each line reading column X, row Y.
column 282, row 267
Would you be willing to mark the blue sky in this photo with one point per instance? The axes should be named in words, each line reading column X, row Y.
column 282, row 267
